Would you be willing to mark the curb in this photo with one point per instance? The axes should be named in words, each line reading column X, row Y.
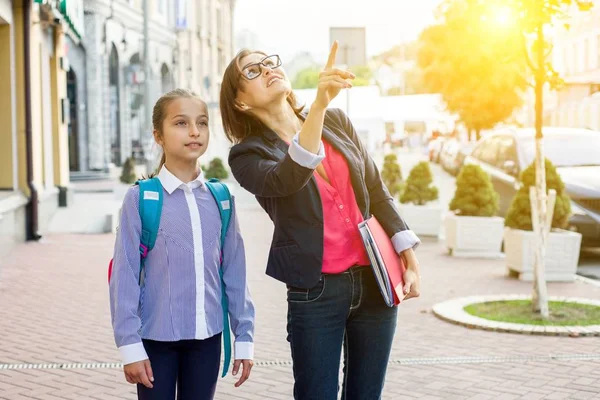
column 453, row 311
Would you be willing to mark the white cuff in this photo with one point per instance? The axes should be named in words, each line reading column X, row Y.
column 405, row 240
column 133, row 353
column 304, row 157
column 243, row 350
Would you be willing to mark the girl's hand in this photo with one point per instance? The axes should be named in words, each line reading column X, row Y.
column 139, row 372
column 332, row 80
column 247, row 367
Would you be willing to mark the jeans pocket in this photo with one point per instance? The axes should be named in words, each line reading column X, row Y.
column 298, row 295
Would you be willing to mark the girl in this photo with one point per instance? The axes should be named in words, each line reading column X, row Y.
column 168, row 329
column 313, row 176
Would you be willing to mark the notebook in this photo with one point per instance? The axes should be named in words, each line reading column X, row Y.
column 388, row 267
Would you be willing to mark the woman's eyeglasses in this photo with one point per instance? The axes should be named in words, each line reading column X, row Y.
column 253, row 71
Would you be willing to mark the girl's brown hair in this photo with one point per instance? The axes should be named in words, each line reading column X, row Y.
column 159, row 113
column 238, row 125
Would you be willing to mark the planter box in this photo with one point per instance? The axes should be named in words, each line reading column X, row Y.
column 423, row 220
column 474, row 236
column 562, row 254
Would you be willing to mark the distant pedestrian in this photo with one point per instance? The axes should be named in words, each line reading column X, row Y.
column 168, row 318
column 315, row 179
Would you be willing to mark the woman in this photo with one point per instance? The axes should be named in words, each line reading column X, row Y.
column 314, row 178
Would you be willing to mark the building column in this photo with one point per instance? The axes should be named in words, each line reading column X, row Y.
column 8, row 165
column 59, row 127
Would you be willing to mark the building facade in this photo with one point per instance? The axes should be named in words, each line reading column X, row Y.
column 115, row 76
column 34, row 156
column 577, row 59
column 205, row 46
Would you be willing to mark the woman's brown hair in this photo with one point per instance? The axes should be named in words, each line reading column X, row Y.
column 159, row 113
column 238, row 125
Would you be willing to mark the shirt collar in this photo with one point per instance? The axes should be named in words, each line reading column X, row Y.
column 170, row 182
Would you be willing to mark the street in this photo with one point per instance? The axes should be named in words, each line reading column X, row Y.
column 58, row 341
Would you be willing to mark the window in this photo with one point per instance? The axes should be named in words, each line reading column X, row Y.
column 161, row 7
column 586, row 55
column 598, row 51
column 507, row 151
column 220, row 32
column 487, row 151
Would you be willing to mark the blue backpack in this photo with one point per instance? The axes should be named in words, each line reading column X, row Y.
column 151, row 200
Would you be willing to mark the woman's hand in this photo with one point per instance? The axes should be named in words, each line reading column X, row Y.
column 332, row 80
column 412, row 277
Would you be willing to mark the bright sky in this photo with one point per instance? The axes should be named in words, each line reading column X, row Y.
column 291, row 26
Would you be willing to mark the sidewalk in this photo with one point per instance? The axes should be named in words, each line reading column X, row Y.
column 55, row 310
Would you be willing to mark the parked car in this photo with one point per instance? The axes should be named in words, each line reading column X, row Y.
column 574, row 152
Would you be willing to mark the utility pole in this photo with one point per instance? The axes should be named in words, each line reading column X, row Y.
column 147, row 124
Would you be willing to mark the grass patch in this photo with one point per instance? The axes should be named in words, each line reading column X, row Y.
column 520, row 312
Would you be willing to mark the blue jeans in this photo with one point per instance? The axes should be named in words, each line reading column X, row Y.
column 191, row 366
column 341, row 310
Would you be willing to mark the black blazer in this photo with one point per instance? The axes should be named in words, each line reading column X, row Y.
column 288, row 192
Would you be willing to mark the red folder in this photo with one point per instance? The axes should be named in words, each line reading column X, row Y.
column 387, row 265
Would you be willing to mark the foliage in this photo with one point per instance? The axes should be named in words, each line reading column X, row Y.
column 418, row 189
column 309, row 78
column 478, row 70
column 128, row 174
column 519, row 212
column 475, row 194
column 216, row 169
column 392, row 174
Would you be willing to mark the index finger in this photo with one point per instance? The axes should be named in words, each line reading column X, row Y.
column 332, row 54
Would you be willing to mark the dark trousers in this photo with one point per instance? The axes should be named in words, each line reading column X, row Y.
column 191, row 366
column 345, row 310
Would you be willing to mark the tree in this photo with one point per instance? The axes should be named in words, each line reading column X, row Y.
column 309, row 78
column 216, row 169
column 534, row 17
column 363, row 74
column 479, row 73
column 392, row 174
column 418, row 189
column 306, row 79
column 475, row 194
column 128, row 174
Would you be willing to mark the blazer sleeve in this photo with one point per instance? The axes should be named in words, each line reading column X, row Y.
column 265, row 177
column 381, row 202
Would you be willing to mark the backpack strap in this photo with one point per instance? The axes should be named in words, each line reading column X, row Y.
column 223, row 198
column 151, row 201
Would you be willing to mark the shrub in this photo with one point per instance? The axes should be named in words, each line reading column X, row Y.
column 216, row 169
column 475, row 194
column 418, row 186
column 519, row 212
column 128, row 174
column 392, row 174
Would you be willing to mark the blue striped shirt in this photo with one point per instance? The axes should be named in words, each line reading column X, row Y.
column 180, row 298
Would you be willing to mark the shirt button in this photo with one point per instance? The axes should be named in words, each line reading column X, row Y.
column 341, row 206
column 348, row 220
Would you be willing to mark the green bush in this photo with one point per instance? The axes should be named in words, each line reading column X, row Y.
column 475, row 194
column 392, row 174
column 128, row 174
column 215, row 169
column 519, row 212
column 418, row 186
